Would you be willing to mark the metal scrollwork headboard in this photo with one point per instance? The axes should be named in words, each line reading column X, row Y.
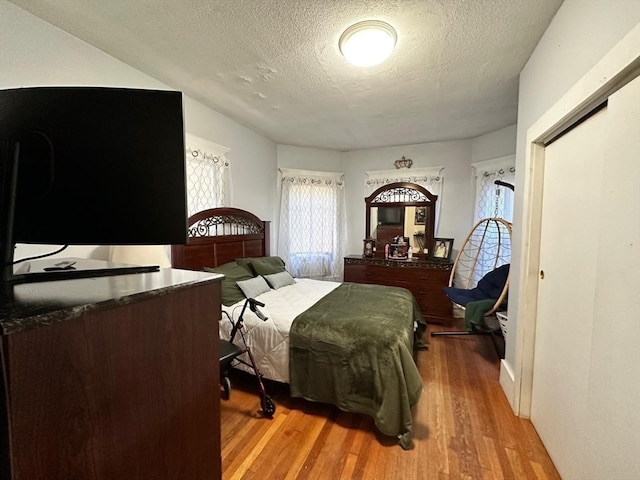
column 220, row 235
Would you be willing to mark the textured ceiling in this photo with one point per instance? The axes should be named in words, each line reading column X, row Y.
column 275, row 66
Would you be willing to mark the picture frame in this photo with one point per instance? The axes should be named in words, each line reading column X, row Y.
column 442, row 249
column 421, row 216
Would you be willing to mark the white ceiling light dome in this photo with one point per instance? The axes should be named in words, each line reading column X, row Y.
column 368, row 43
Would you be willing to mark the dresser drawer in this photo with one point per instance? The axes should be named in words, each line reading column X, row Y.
column 431, row 299
column 433, row 302
column 424, row 280
column 363, row 274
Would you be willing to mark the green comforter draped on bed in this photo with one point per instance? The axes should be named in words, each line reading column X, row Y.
column 354, row 349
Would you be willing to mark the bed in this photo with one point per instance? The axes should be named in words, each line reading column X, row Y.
column 347, row 344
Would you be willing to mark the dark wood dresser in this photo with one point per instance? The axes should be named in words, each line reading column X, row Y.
column 111, row 378
column 424, row 278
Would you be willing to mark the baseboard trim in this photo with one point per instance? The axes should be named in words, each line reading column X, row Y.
column 508, row 383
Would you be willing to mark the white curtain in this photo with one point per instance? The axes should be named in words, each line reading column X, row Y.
column 494, row 200
column 430, row 178
column 312, row 234
column 208, row 175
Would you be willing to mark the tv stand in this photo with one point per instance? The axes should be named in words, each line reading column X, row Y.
column 98, row 379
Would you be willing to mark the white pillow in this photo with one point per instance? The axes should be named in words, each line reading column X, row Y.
column 253, row 287
column 278, row 280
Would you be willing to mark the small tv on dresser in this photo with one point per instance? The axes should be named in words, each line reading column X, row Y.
column 89, row 166
column 390, row 215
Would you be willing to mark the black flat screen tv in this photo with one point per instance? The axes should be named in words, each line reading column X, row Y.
column 91, row 166
column 391, row 216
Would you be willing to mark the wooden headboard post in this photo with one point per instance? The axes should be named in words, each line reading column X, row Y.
column 220, row 235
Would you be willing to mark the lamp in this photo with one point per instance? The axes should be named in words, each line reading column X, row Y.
column 368, row 43
column 139, row 255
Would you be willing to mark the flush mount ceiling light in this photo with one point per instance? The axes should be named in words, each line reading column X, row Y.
column 368, row 43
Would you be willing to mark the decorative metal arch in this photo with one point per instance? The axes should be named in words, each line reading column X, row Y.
column 224, row 225
column 401, row 195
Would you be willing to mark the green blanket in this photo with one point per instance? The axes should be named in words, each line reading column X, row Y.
column 474, row 313
column 354, row 349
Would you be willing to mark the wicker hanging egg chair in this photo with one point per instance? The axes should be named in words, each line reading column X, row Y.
column 479, row 280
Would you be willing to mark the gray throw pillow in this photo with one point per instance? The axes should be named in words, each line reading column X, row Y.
column 279, row 280
column 253, row 287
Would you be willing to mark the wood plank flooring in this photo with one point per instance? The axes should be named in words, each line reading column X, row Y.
column 463, row 429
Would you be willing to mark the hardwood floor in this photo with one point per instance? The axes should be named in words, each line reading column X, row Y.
column 463, row 428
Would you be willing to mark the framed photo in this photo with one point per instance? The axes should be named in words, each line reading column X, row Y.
column 421, row 216
column 442, row 248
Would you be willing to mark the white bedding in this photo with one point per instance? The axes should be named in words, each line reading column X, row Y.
column 269, row 341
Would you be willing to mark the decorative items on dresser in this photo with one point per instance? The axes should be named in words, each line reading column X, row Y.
column 424, row 278
column 368, row 249
column 111, row 377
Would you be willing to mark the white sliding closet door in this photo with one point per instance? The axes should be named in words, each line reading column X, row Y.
column 586, row 385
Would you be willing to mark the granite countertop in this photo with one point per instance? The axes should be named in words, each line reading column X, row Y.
column 29, row 305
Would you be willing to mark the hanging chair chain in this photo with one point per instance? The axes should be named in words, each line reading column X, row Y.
column 497, row 181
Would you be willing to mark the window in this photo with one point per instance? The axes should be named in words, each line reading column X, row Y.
column 493, row 200
column 312, row 226
column 208, row 175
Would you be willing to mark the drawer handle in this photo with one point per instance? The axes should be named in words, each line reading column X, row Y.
column 368, row 274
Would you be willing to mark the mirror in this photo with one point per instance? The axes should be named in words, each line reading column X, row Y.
column 401, row 209
column 390, row 222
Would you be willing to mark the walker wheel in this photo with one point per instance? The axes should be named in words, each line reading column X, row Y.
column 268, row 407
column 226, row 388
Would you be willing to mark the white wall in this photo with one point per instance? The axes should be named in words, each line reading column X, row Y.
column 35, row 53
column 494, row 145
column 253, row 158
column 577, row 38
column 309, row 159
column 456, row 217
column 455, row 157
